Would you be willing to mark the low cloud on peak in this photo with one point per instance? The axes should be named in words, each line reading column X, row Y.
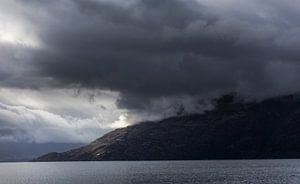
column 156, row 55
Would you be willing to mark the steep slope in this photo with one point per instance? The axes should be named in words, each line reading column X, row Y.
column 268, row 129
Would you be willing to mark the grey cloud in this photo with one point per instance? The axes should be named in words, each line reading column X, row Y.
column 150, row 49
column 6, row 132
column 12, row 132
column 23, row 124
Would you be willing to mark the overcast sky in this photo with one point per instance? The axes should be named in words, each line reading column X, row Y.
column 71, row 70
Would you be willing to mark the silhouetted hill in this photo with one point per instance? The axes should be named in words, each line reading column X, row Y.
column 25, row 151
column 234, row 130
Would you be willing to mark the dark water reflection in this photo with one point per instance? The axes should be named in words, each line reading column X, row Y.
column 173, row 172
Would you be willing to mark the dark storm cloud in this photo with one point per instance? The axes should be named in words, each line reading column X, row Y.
column 148, row 49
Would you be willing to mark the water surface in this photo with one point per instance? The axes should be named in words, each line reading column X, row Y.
column 158, row 172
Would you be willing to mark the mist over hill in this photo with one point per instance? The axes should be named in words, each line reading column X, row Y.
column 233, row 130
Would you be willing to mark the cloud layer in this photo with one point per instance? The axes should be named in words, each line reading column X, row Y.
column 56, row 116
column 149, row 49
column 155, row 54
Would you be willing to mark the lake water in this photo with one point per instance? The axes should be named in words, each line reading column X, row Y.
column 165, row 172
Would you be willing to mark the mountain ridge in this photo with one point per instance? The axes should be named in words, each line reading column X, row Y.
column 233, row 130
